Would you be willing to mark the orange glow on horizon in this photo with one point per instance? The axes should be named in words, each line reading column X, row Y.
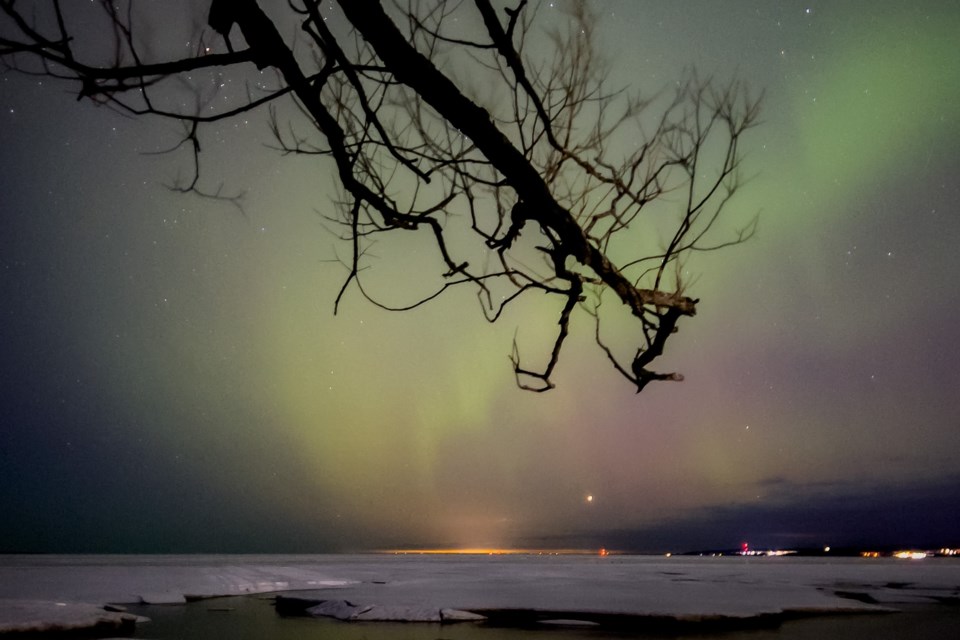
column 481, row 551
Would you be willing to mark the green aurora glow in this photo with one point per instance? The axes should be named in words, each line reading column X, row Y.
column 177, row 380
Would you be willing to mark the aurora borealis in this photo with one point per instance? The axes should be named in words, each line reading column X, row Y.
column 174, row 378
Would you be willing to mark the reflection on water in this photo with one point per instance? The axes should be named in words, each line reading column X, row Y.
column 253, row 618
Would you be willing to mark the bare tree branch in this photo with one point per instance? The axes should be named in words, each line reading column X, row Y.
column 505, row 147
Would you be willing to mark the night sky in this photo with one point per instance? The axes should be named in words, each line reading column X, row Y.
column 173, row 377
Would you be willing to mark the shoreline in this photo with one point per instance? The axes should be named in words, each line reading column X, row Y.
column 615, row 593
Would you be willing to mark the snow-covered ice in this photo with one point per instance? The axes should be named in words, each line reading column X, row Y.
column 19, row 616
column 418, row 587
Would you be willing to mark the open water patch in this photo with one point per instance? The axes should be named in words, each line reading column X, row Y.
column 255, row 618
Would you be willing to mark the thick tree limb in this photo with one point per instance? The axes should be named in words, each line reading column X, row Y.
column 543, row 182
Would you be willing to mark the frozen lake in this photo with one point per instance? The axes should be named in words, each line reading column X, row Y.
column 616, row 592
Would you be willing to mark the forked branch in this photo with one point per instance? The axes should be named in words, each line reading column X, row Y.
column 529, row 166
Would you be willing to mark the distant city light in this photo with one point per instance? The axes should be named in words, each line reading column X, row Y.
column 745, row 550
column 910, row 555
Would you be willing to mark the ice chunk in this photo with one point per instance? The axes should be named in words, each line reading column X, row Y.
column 394, row 613
column 36, row 616
column 562, row 622
column 339, row 609
column 457, row 615
column 346, row 610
